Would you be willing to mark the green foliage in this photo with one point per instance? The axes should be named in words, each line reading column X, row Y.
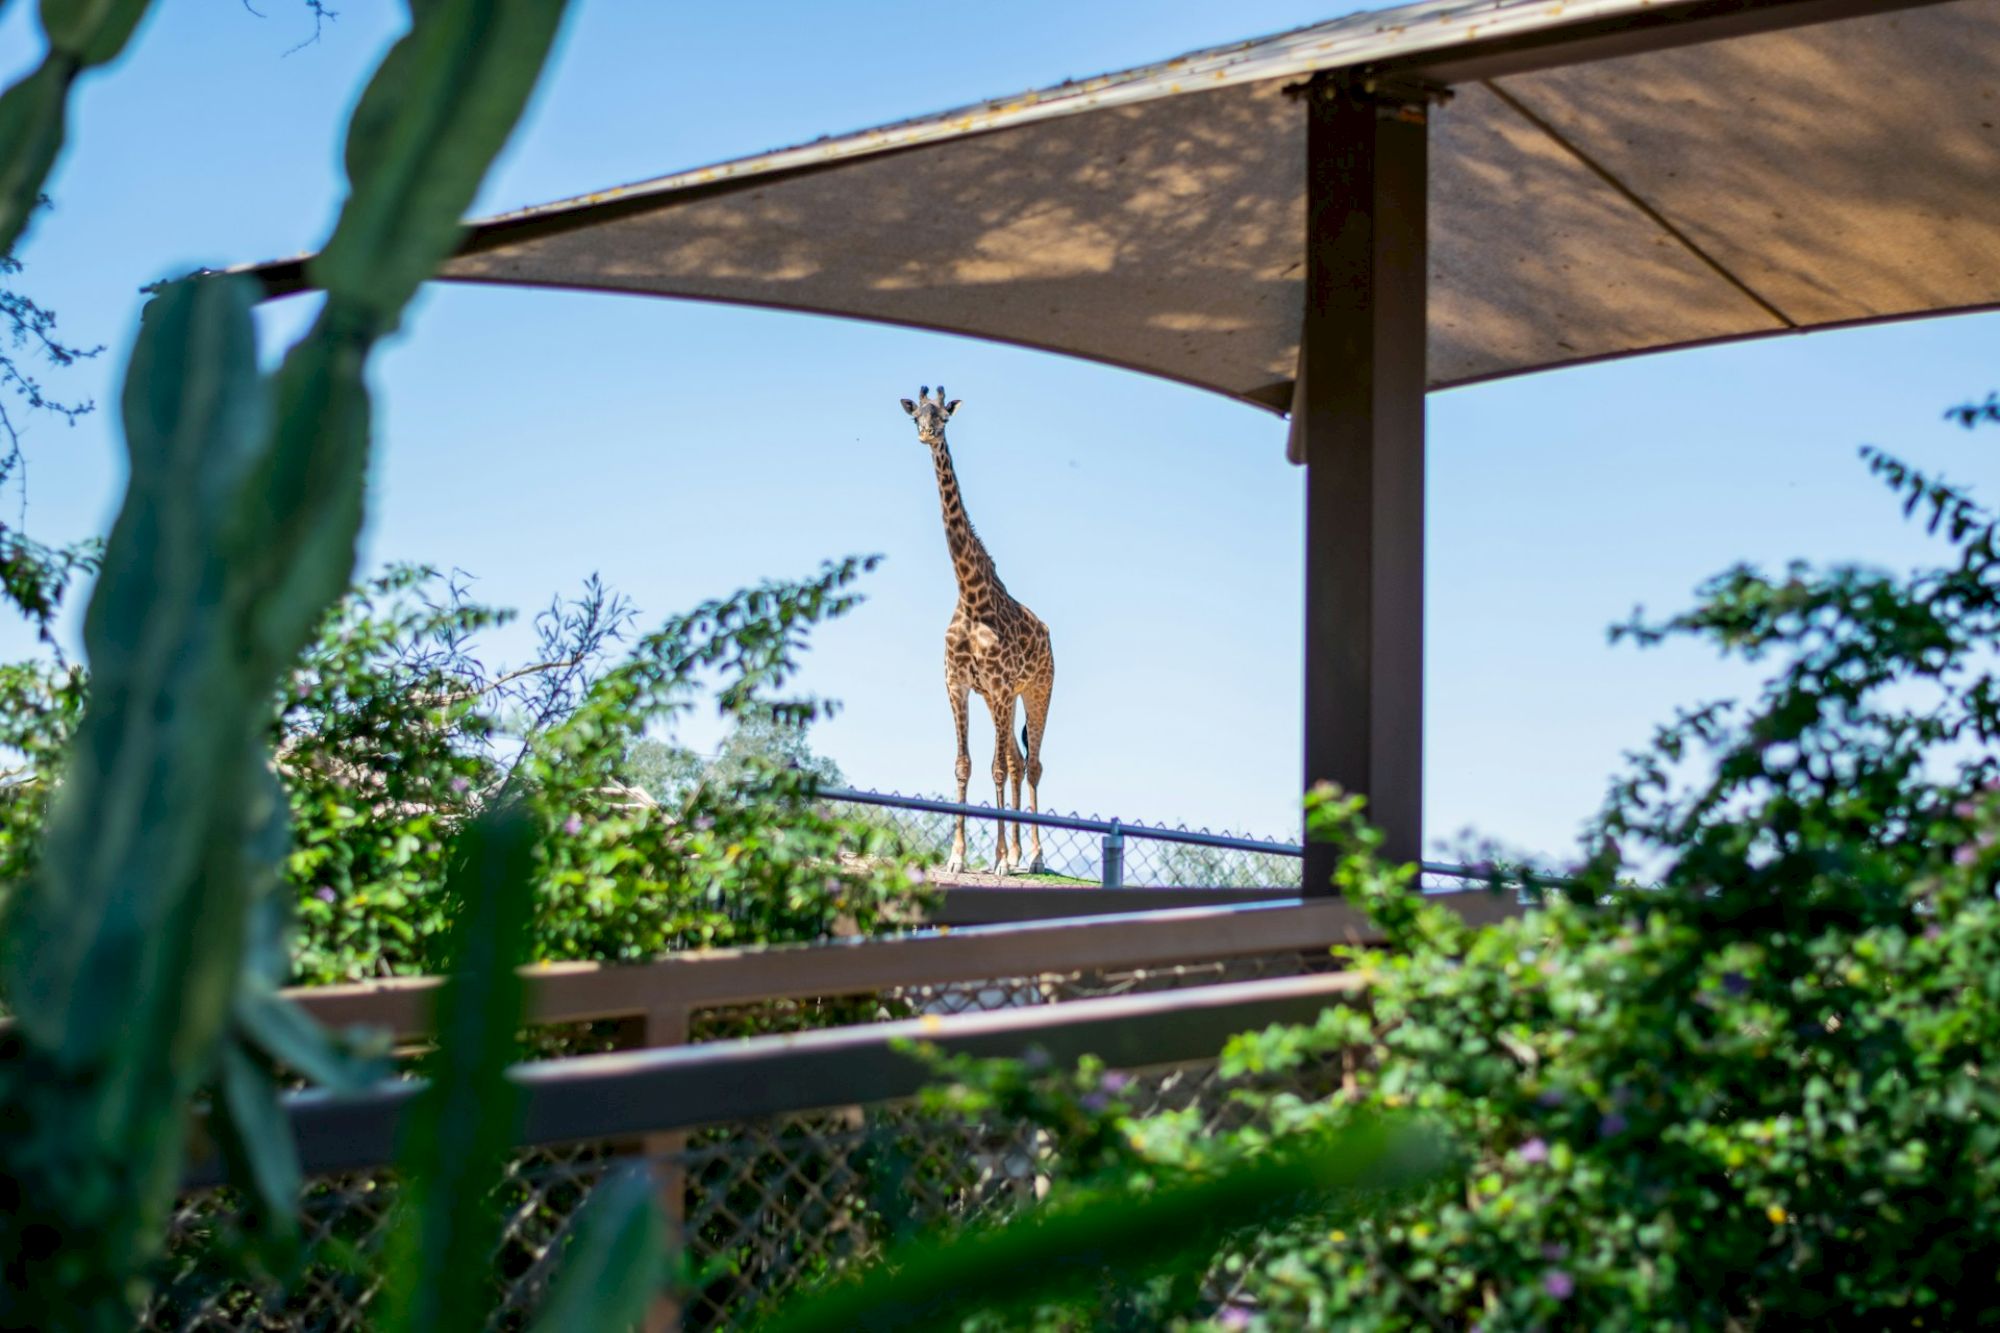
column 463, row 1125
column 40, row 704
column 28, row 330
column 618, row 1262
column 1123, row 1227
column 394, row 730
column 81, row 33
column 758, row 740
column 139, row 959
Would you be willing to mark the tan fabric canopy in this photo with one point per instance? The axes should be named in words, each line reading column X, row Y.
column 1596, row 191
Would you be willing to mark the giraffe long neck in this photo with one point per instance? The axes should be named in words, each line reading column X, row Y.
column 969, row 559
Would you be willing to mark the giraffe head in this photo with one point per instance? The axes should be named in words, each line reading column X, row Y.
column 930, row 416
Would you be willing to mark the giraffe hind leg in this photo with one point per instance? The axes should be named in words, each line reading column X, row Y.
column 1017, row 766
column 1036, row 704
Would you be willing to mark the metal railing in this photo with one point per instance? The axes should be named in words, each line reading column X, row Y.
column 767, row 1091
column 1234, row 861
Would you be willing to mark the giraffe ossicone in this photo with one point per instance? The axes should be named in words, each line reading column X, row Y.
column 994, row 647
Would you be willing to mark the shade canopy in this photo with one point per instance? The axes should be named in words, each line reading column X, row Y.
column 1607, row 177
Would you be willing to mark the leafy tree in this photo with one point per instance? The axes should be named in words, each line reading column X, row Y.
column 758, row 739
column 392, row 732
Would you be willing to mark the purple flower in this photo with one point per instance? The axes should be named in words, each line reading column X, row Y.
column 572, row 826
column 325, row 893
column 1735, row 983
column 459, row 785
column 917, row 875
column 1114, row 1082
column 1612, row 1124
column 1233, row 1316
column 1534, row 1152
column 1552, row 1251
column 1035, row 1059
column 1966, row 855
column 1559, row 1284
column 1549, row 1097
column 1965, row 809
column 1094, row 1102
column 1933, row 932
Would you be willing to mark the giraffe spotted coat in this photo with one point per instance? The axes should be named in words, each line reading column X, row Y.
column 994, row 647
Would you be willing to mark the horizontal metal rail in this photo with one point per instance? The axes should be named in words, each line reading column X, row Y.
column 982, row 905
column 710, row 978
column 1076, row 822
column 628, row 1094
column 1120, row 828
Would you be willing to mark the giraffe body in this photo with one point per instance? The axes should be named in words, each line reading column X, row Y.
column 994, row 647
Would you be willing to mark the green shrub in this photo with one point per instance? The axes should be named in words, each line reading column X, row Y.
column 392, row 731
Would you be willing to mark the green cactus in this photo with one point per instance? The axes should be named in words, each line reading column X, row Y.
column 81, row 33
column 141, row 960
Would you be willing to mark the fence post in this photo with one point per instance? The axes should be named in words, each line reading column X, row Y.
column 667, row 1025
column 1114, row 857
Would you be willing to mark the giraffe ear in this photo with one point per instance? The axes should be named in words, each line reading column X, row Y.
column 909, row 407
column 952, row 406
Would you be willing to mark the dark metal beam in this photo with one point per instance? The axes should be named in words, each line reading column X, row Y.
column 1360, row 432
column 1656, row 28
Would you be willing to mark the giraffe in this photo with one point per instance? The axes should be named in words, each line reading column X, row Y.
column 994, row 646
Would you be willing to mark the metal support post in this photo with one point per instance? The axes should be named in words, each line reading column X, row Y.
column 1114, row 857
column 1358, row 426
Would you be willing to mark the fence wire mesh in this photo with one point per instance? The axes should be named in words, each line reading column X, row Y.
column 1152, row 858
column 765, row 1207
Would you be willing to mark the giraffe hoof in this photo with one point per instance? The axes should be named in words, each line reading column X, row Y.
column 956, row 865
column 1035, row 867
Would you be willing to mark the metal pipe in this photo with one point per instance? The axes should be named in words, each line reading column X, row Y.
column 1075, row 822
column 1114, row 857
column 1144, row 832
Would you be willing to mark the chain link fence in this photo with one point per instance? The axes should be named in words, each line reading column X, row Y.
column 1076, row 848
column 765, row 1207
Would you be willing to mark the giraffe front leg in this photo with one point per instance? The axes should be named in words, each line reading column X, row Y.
column 1001, row 863
column 962, row 770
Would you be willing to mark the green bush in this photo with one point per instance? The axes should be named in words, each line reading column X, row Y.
column 1757, row 1093
column 392, row 731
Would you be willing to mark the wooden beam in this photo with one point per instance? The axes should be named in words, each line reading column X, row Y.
column 1360, row 433
column 578, row 992
column 628, row 1094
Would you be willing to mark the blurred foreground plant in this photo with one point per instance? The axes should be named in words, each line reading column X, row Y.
column 140, row 960
column 1064, row 1263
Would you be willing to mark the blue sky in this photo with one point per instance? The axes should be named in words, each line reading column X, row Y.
column 683, row 450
